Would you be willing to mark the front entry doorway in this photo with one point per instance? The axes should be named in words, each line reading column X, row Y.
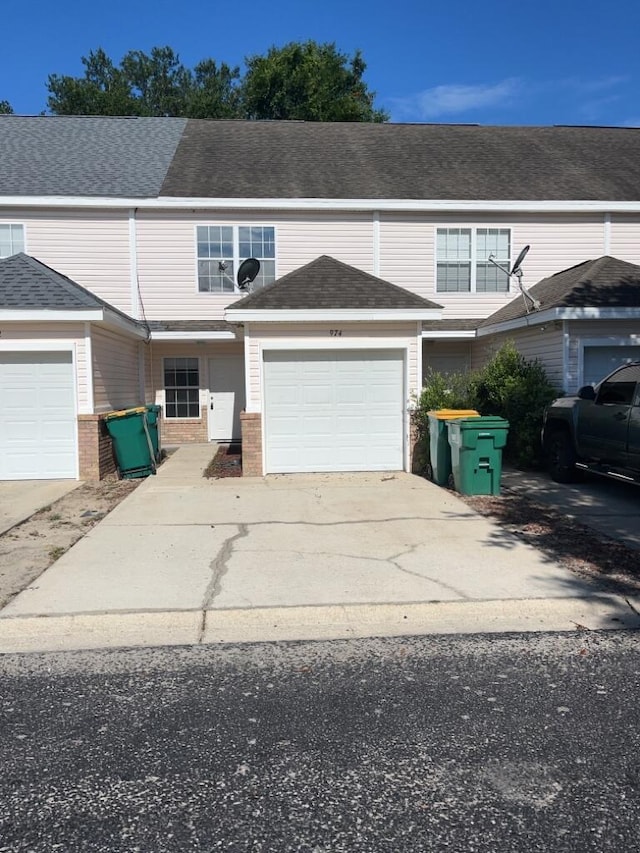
column 226, row 397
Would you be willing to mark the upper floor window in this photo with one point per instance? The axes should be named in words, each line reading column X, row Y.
column 221, row 250
column 11, row 240
column 462, row 260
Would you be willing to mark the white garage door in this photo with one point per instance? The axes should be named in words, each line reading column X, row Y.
column 37, row 416
column 600, row 361
column 334, row 411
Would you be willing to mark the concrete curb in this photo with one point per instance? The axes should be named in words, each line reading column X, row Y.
column 272, row 624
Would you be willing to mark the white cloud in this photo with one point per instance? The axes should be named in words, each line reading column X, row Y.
column 452, row 99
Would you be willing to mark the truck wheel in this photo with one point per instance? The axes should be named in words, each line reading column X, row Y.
column 562, row 458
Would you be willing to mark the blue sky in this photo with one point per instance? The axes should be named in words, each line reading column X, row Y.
column 562, row 62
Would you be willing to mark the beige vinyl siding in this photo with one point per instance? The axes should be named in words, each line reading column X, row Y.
column 68, row 335
column 407, row 252
column 116, row 377
column 446, row 356
column 606, row 332
column 312, row 335
column 542, row 342
column 625, row 238
column 167, row 250
column 90, row 247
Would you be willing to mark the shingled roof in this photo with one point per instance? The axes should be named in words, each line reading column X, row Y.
column 101, row 156
column 602, row 283
column 328, row 284
column 27, row 284
column 343, row 160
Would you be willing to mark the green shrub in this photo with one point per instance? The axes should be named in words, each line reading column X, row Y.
column 508, row 386
column 519, row 390
column 440, row 391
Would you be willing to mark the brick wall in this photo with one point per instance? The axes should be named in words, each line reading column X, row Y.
column 251, row 424
column 176, row 431
column 95, row 448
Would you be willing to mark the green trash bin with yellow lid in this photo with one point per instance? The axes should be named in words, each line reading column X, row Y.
column 476, row 453
column 132, row 442
column 439, row 468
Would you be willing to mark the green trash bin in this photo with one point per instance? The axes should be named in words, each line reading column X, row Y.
column 153, row 412
column 476, row 454
column 439, row 469
column 132, row 442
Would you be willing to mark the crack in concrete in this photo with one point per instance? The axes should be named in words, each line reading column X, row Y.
column 219, row 568
column 418, row 518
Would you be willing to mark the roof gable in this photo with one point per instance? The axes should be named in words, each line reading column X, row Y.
column 328, row 284
column 602, row 283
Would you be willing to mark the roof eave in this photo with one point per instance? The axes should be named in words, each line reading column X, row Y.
column 193, row 336
column 64, row 315
column 245, row 315
column 574, row 313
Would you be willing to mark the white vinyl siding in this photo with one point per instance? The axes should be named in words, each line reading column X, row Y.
column 624, row 242
column 116, row 370
column 91, row 247
column 11, row 239
column 445, row 356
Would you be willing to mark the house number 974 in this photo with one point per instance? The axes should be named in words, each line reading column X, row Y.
column 335, row 333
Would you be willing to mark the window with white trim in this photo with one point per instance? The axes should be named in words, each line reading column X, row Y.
column 221, row 250
column 462, row 260
column 11, row 239
column 182, row 388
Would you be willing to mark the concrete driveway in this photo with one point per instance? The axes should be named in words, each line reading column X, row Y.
column 20, row 499
column 184, row 560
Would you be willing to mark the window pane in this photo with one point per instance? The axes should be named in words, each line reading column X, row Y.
column 182, row 388
column 11, row 240
column 454, row 278
column 453, row 244
column 489, row 279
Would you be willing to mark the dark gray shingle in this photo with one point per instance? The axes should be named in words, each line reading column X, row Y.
column 28, row 284
column 86, row 155
column 238, row 159
column 602, row 283
column 328, row 284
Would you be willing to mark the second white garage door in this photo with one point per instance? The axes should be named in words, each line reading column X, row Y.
column 37, row 416
column 334, row 411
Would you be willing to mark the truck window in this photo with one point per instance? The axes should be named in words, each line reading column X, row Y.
column 620, row 389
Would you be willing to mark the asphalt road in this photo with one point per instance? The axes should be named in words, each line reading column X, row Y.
column 503, row 743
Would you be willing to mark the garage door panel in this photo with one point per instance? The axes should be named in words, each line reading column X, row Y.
column 600, row 361
column 37, row 416
column 347, row 415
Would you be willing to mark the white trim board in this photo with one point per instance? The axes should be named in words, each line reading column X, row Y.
column 237, row 315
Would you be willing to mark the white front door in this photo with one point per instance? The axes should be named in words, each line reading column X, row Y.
column 37, row 416
column 226, row 397
column 334, row 411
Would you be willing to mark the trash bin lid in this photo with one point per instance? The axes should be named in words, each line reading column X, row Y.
column 450, row 414
column 125, row 413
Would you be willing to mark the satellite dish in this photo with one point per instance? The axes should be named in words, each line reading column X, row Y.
column 516, row 270
column 519, row 260
column 247, row 271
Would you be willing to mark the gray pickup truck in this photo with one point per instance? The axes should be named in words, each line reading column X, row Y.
column 598, row 430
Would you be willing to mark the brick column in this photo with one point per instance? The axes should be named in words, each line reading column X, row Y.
column 251, row 424
column 95, row 450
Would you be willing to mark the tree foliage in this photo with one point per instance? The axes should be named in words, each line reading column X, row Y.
column 154, row 84
column 306, row 81
column 6, row 108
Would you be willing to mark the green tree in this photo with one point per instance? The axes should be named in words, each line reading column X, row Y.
column 310, row 82
column 6, row 108
column 154, row 84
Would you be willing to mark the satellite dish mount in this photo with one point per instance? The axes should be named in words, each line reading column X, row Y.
column 516, row 272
